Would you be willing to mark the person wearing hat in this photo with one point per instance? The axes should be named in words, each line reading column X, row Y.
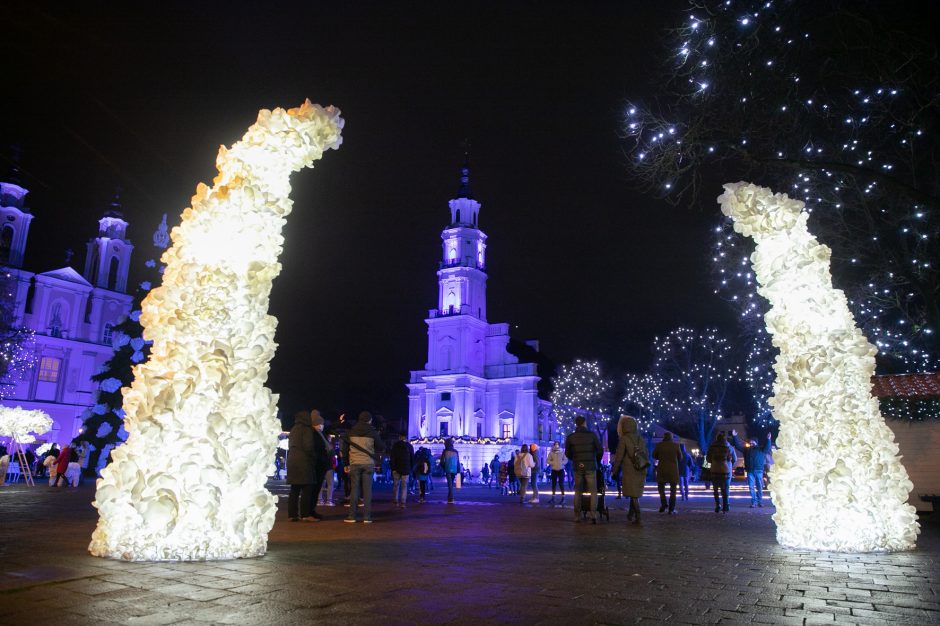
column 301, row 473
column 361, row 447
column 321, row 459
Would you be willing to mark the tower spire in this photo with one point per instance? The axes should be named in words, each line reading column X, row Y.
column 464, row 190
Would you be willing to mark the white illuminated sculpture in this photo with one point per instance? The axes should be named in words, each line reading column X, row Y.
column 189, row 483
column 838, row 482
column 20, row 424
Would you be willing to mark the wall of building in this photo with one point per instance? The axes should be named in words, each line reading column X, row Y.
column 919, row 443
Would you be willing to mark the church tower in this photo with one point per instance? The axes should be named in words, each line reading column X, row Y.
column 471, row 388
column 109, row 254
column 462, row 273
column 14, row 218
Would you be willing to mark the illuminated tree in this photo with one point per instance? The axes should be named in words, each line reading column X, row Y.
column 695, row 371
column 834, row 103
column 736, row 284
column 643, row 399
column 16, row 342
column 581, row 389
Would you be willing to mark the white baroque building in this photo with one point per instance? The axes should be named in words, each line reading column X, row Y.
column 72, row 314
column 472, row 388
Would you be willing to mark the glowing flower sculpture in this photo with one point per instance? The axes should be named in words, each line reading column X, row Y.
column 189, row 483
column 20, row 424
column 838, row 481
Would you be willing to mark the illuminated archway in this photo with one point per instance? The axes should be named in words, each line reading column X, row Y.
column 838, row 483
column 189, row 483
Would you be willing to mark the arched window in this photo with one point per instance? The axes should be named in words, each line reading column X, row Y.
column 113, row 273
column 457, row 220
column 6, row 243
column 88, row 304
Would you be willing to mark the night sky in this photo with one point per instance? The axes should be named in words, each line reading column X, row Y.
column 100, row 96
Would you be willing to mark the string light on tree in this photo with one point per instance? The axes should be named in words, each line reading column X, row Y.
column 848, row 137
column 695, row 371
column 581, row 389
column 17, row 353
column 643, row 399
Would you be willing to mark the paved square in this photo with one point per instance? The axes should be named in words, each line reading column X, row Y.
column 486, row 559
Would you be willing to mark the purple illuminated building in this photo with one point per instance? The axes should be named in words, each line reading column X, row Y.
column 71, row 314
column 472, row 388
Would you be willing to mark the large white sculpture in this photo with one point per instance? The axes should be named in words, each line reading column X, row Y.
column 838, row 482
column 189, row 484
column 20, row 424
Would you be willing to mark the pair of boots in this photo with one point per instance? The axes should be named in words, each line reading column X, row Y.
column 633, row 515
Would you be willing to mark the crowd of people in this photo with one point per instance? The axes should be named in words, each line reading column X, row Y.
column 317, row 464
column 62, row 466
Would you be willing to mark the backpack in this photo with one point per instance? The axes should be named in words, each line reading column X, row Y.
column 641, row 458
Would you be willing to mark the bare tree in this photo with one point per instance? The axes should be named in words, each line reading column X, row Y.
column 694, row 371
column 836, row 102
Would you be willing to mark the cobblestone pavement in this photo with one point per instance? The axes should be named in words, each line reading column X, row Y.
column 485, row 559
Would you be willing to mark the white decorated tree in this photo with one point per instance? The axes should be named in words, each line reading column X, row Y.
column 189, row 483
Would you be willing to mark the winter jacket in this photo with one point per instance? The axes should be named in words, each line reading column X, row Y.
column 631, row 478
column 722, row 458
column 524, row 465
column 669, row 456
column 450, row 461
column 62, row 463
column 556, row 459
column 402, row 457
column 754, row 456
column 366, row 437
column 583, row 447
column 422, row 464
column 322, row 454
column 300, row 452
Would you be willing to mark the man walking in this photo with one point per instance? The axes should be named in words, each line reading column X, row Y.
column 584, row 449
column 668, row 456
column 361, row 446
column 754, row 459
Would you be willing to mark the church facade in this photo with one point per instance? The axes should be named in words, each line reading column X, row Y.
column 71, row 314
column 472, row 389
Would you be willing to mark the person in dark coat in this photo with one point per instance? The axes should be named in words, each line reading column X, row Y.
column 402, row 457
column 583, row 447
column 322, row 459
column 422, row 467
column 668, row 457
column 629, row 447
column 722, row 458
column 301, row 472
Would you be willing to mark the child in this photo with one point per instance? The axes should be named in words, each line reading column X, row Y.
column 504, row 478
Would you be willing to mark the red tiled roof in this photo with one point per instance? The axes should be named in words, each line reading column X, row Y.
column 912, row 386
